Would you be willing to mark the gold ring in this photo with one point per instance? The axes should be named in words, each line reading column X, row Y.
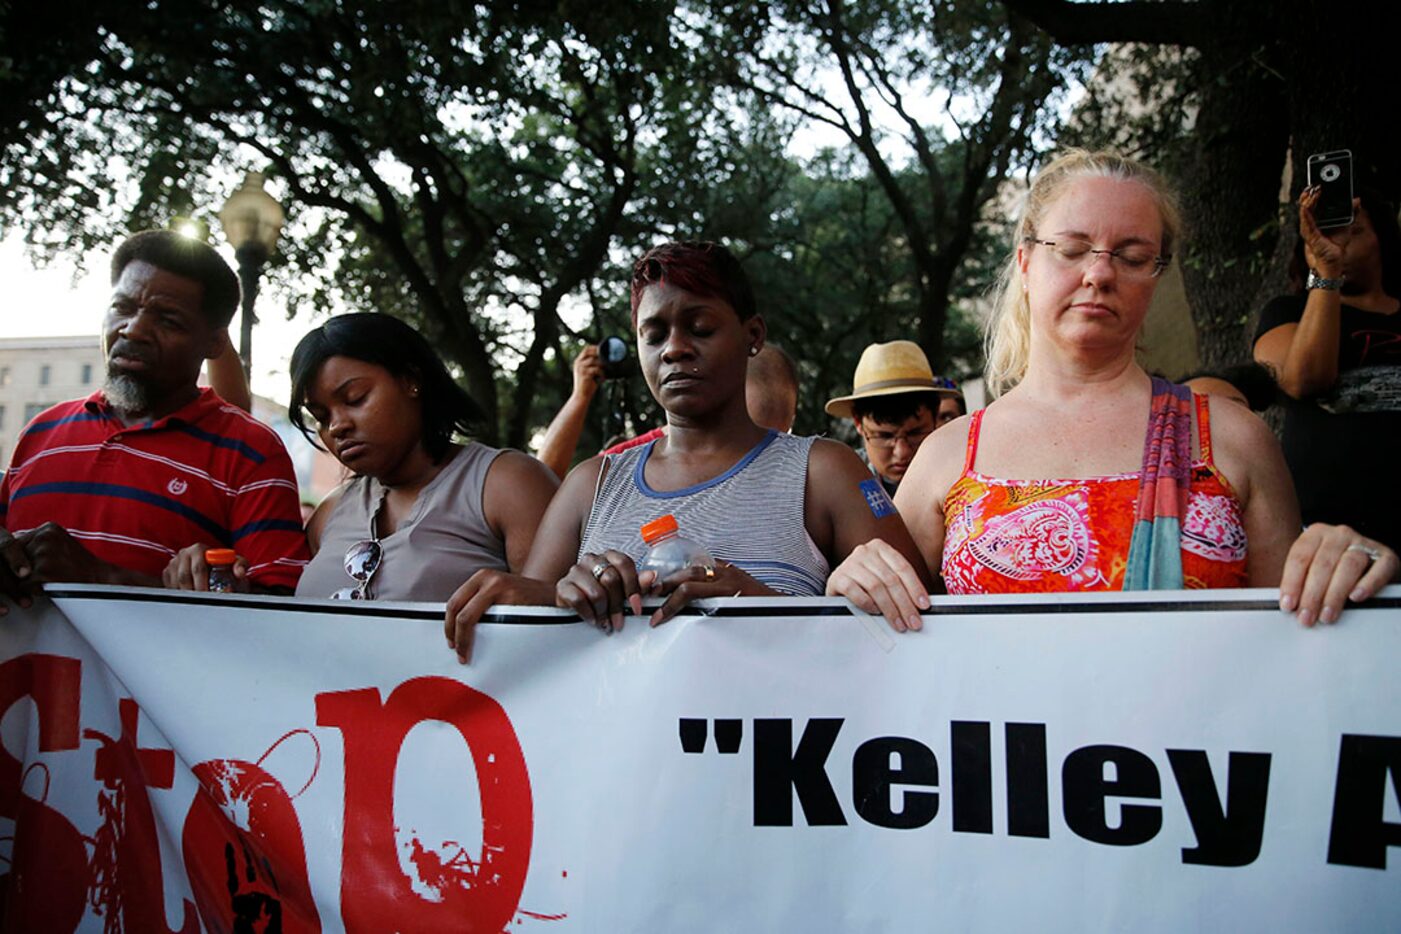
column 709, row 574
column 598, row 570
column 1373, row 553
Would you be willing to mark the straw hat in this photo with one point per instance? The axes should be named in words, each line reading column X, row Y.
column 888, row 369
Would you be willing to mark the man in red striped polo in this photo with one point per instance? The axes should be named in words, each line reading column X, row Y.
column 107, row 489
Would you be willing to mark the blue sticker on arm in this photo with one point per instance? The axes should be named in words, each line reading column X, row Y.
column 876, row 498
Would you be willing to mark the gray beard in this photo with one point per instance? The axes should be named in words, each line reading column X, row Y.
column 127, row 393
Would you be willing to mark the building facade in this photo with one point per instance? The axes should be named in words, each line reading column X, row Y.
column 37, row 372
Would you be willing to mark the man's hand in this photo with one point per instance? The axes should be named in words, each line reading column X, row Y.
column 588, row 373
column 58, row 556
column 16, row 572
column 189, row 571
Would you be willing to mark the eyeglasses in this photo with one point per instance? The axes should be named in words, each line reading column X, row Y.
column 362, row 560
column 886, row 440
column 1132, row 262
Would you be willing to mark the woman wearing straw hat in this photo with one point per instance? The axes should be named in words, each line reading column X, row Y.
column 895, row 402
column 1086, row 473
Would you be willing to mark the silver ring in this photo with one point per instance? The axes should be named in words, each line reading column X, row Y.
column 1374, row 554
column 598, row 570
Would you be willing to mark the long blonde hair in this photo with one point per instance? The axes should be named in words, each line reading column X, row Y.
column 1007, row 340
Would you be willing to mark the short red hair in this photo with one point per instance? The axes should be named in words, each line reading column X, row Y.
column 697, row 266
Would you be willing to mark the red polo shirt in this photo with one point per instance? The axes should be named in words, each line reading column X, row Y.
column 135, row 494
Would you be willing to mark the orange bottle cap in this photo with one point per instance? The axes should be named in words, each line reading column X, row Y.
column 658, row 527
column 220, row 556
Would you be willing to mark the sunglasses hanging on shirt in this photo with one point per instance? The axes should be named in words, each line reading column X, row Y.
column 362, row 560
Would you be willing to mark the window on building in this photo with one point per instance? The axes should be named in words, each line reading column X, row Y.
column 45, row 372
column 87, row 374
column 32, row 409
column 2, row 420
column 4, row 376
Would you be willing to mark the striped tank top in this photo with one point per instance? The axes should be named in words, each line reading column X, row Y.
column 1045, row 536
column 751, row 515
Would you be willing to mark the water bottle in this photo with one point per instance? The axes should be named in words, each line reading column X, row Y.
column 668, row 552
column 221, row 565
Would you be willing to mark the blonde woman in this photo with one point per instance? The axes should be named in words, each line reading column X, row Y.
column 1086, row 473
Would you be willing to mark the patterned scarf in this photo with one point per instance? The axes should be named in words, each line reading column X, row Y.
column 1155, row 551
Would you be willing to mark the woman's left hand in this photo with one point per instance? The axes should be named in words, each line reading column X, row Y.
column 1329, row 565
column 696, row 583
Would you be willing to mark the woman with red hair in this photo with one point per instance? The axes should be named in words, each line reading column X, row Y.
column 776, row 511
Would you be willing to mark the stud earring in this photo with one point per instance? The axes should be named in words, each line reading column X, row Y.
column 753, row 351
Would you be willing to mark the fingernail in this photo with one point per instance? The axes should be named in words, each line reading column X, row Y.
column 1286, row 603
column 1306, row 617
column 635, row 601
column 617, row 622
column 1358, row 594
column 923, row 602
column 1328, row 615
column 915, row 623
column 461, row 659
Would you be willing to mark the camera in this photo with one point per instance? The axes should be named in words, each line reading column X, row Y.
column 613, row 354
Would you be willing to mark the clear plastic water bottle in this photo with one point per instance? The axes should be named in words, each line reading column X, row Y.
column 668, row 552
column 221, row 565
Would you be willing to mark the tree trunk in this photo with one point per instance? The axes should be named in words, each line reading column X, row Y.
column 1230, row 179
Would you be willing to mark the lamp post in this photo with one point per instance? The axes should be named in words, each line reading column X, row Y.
column 252, row 220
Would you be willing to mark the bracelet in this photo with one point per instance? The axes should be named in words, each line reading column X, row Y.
column 1315, row 281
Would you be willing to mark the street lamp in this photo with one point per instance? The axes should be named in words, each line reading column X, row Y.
column 251, row 219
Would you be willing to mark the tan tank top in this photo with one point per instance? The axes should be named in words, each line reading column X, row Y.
column 443, row 540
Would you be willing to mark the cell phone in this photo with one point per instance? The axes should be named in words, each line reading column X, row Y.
column 1332, row 173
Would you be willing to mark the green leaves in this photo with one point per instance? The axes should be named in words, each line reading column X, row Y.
column 488, row 171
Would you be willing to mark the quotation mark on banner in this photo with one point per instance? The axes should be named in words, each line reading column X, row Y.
column 728, row 735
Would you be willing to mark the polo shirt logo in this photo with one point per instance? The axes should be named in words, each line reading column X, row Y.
column 177, row 487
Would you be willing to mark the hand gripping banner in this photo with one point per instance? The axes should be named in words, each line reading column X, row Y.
column 181, row 763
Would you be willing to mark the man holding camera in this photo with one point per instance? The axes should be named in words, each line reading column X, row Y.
column 562, row 437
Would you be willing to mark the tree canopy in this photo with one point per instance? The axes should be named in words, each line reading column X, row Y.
column 1227, row 93
column 488, row 171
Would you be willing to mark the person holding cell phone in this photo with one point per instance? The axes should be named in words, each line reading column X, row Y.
column 1334, row 344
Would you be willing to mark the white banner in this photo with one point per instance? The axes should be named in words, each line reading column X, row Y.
column 1198, row 762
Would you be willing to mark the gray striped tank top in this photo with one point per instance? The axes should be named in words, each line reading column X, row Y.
column 751, row 515
column 443, row 540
